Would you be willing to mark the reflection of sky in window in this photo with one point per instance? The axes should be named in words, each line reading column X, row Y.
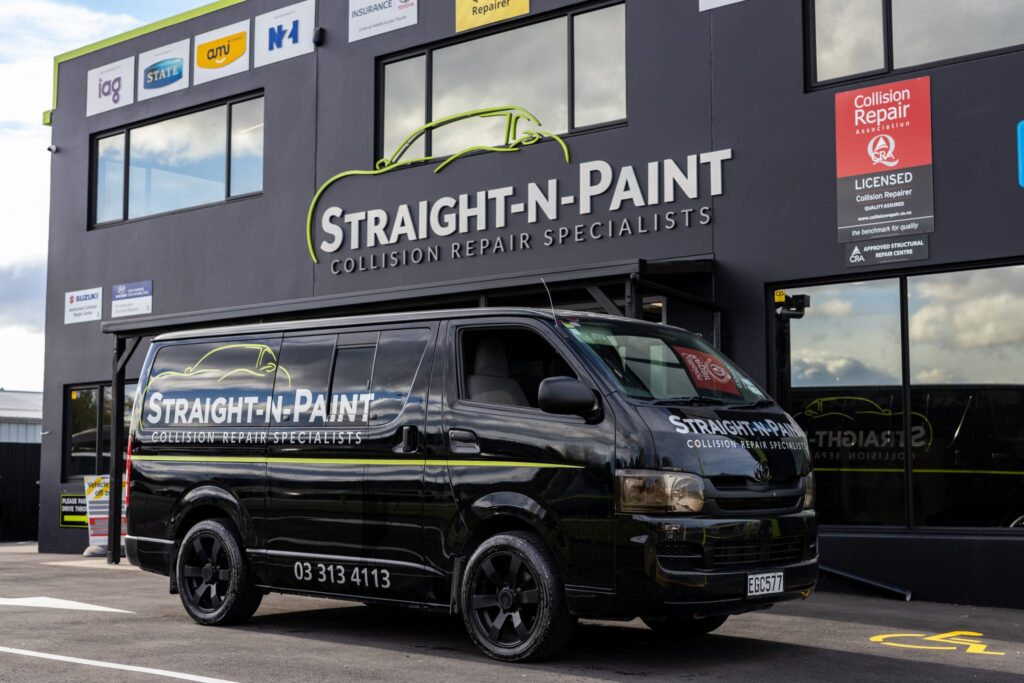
column 405, row 92
column 850, row 336
column 848, row 36
column 968, row 327
column 526, row 67
column 599, row 43
column 247, row 147
column 178, row 163
column 110, row 179
column 931, row 30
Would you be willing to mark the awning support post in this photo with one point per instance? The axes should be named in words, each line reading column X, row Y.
column 117, row 441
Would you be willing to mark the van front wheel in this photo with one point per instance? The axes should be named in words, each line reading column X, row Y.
column 512, row 600
column 213, row 579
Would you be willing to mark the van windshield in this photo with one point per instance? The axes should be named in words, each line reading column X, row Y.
column 664, row 363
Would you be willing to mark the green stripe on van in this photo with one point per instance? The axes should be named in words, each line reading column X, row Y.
column 350, row 461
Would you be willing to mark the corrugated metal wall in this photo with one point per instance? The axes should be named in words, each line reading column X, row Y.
column 20, row 432
column 19, row 492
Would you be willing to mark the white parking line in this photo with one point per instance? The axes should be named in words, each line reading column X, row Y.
column 57, row 603
column 110, row 665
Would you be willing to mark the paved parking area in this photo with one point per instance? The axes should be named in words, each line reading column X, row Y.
column 832, row 636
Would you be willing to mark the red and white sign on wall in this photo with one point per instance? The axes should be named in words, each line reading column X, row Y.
column 884, row 162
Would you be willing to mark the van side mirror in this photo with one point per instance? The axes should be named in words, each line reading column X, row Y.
column 565, row 396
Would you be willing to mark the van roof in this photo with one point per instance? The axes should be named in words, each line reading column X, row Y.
column 376, row 319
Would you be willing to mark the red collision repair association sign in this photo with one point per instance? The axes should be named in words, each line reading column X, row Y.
column 884, row 170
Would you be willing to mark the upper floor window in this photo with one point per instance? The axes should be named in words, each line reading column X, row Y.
column 569, row 72
column 189, row 160
column 864, row 37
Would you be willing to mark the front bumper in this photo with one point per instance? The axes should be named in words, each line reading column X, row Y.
column 694, row 566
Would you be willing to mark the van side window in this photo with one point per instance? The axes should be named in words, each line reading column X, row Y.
column 350, row 389
column 307, row 363
column 506, row 366
column 399, row 355
column 223, row 384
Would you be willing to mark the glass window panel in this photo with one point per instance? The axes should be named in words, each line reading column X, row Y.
column 525, row 67
column 247, row 147
column 109, row 200
column 353, row 367
column 399, row 353
column 599, row 45
column 231, row 383
column 405, row 106
column 849, row 37
column 178, row 163
column 83, row 405
column 846, row 393
column 931, row 30
column 308, row 362
column 967, row 373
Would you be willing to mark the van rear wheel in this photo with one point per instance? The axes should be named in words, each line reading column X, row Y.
column 214, row 581
column 683, row 626
column 512, row 600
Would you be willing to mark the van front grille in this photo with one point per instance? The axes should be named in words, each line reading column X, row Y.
column 680, row 557
column 756, row 552
column 761, row 503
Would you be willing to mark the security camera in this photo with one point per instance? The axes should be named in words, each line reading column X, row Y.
column 52, row 149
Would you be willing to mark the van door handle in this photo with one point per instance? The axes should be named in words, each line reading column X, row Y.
column 410, row 438
column 463, row 442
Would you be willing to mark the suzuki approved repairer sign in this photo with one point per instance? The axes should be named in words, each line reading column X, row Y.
column 884, row 163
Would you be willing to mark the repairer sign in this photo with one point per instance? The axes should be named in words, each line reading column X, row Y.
column 884, row 163
column 475, row 13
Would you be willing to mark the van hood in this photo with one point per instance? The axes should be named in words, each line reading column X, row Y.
column 717, row 441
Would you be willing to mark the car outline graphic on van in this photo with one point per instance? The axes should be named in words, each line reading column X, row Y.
column 261, row 368
column 515, row 140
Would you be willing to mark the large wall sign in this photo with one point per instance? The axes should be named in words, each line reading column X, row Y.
column 475, row 13
column 368, row 18
column 284, row 33
column 110, row 87
column 222, row 52
column 884, row 164
column 85, row 305
column 164, row 70
column 374, row 219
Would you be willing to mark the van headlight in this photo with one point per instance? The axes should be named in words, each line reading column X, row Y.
column 650, row 491
column 809, row 491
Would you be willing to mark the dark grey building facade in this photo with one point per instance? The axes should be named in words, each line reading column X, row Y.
column 675, row 160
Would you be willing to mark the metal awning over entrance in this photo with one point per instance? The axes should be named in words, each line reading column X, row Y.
column 684, row 288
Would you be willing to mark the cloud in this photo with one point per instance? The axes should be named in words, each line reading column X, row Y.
column 834, row 308
column 23, row 296
column 819, row 368
column 25, row 372
column 981, row 309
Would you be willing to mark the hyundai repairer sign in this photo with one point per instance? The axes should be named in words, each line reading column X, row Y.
column 884, row 169
column 110, row 87
column 82, row 306
column 367, row 18
column 131, row 298
column 164, row 70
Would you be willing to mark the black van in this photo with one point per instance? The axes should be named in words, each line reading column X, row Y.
column 521, row 468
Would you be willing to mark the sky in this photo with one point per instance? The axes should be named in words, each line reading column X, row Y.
column 33, row 32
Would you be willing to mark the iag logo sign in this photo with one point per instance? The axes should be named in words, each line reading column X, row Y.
column 110, row 87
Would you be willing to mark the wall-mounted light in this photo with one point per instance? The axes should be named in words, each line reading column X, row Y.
column 52, row 149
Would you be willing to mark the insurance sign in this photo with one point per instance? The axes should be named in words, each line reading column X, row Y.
column 884, row 161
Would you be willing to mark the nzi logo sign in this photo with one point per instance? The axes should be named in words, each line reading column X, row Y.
column 278, row 34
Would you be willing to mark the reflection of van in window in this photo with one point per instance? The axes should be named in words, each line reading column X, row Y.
column 516, row 469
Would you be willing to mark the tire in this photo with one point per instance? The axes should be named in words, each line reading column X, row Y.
column 214, row 581
column 682, row 626
column 512, row 599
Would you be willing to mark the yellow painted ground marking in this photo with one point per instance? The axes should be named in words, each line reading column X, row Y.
column 950, row 641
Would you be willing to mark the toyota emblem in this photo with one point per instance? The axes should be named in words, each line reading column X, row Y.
column 762, row 472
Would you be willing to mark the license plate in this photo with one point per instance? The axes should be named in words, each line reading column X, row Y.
column 764, row 584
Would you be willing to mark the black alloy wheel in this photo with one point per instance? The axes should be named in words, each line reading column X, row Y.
column 512, row 599
column 213, row 579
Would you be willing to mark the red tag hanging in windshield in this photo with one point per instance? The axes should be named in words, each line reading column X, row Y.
column 707, row 372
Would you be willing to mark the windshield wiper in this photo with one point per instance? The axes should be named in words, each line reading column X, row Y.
column 688, row 400
column 759, row 403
